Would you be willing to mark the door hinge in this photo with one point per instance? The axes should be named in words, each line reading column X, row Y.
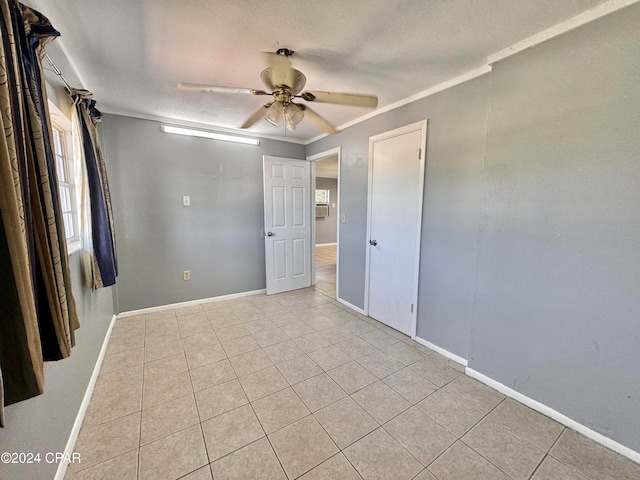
column 412, row 308
column 419, row 153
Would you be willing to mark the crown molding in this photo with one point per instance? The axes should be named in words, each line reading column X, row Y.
column 561, row 28
column 465, row 77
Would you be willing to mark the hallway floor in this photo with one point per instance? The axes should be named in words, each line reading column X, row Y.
column 326, row 270
column 297, row 386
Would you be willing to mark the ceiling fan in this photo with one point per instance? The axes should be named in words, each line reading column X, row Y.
column 285, row 83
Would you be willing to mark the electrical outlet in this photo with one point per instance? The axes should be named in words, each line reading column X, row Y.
column 186, row 201
column 186, row 275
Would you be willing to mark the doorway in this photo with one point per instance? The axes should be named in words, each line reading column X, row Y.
column 325, row 171
column 396, row 179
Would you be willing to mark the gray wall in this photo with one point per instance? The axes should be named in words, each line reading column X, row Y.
column 327, row 227
column 456, row 131
column 529, row 256
column 218, row 238
column 530, row 252
column 558, row 302
column 43, row 424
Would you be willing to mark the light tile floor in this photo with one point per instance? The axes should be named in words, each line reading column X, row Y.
column 296, row 386
column 326, row 270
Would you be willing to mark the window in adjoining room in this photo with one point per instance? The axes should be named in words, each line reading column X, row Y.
column 322, row 197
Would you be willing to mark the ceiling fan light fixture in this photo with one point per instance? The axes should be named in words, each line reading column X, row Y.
column 293, row 115
column 274, row 113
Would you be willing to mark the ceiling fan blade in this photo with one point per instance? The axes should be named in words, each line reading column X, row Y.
column 354, row 99
column 255, row 116
column 197, row 87
column 317, row 120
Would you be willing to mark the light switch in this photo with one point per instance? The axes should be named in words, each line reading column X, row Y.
column 186, row 201
column 343, row 218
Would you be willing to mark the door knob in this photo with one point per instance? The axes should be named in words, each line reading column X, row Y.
column 373, row 242
column 271, row 234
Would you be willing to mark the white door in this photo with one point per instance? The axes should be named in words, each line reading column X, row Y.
column 396, row 178
column 287, row 184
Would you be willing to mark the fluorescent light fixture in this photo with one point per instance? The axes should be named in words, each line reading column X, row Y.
column 204, row 134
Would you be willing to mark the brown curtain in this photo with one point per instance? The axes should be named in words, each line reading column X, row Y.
column 37, row 310
column 100, row 263
column 1, row 401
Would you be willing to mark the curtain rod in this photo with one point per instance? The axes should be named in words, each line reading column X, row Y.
column 58, row 72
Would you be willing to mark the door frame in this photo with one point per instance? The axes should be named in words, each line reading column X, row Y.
column 313, row 159
column 420, row 126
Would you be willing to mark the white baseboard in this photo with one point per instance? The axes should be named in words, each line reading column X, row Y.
column 352, row 307
column 143, row 311
column 442, row 351
column 326, row 244
column 557, row 416
column 75, row 430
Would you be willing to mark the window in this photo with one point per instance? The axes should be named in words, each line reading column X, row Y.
column 65, row 183
column 322, row 203
column 322, row 197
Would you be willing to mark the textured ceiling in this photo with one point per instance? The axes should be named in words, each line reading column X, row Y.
column 132, row 54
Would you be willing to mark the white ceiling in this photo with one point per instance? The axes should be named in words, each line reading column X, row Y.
column 132, row 54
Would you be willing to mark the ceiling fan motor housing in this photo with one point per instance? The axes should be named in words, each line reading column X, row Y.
column 284, row 95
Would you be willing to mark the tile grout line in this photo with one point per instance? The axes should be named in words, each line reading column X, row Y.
column 483, row 457
column 457, row 438
column 587, row 476
column 325, row 432
column 139, row 456
column 265, row 432
column 197, row 411
column 538, row 466
column 276, row 455
column 547, row 453
column 307, row 303
column 474, row 425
